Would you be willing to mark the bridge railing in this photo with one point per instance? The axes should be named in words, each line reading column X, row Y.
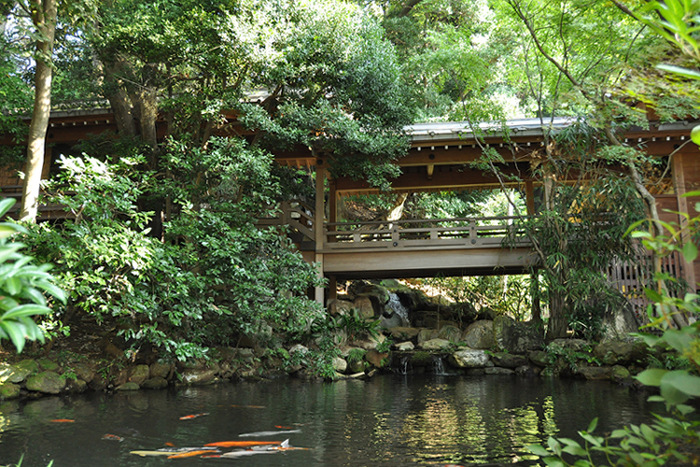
column 296, row 215
column 476, row 232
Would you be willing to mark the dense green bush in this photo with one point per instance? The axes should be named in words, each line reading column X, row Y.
column 211, row 279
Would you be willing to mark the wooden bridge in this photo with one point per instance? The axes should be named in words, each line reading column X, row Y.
column 407, row 248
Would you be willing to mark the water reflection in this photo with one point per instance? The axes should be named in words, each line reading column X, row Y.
column 388, row 421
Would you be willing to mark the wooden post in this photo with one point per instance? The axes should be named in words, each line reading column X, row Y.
column 318, row 225
column 530, row 197
column 679, row 183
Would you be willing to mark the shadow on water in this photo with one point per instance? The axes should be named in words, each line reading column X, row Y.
column 391, row 420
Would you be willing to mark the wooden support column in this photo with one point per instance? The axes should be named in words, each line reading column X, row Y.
column 530, row 197
column 332, row 287
column 318, row 225
column 679, row 183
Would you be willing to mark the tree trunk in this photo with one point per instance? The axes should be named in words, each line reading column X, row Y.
column 45, row 21
column 558, row 323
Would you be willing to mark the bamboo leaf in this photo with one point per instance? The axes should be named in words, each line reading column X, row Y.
column 651, row 377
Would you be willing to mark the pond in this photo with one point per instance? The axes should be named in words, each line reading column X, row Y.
column 390, row 420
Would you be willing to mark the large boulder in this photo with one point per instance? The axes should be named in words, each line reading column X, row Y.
column 516, row 336
column 619, row 322
column 46, row 382
column 469, row 358
column 403, row 333
column 507, row 360
column 340, row 307
column 367, row 289
column 364, row 307
column 619, row 352
column 479, row 335
column 450, row 333
column 139, row 374
column 435, row 344
column 9, row 391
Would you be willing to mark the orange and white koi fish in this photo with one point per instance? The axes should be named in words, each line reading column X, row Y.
column 182, row 455
column 196, row 415
column 111, row 437
column 243, row 444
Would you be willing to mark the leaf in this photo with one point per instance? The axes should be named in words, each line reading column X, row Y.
column 651, row 376
column 592, row 425
column 677, row 70
column 15, row 331
column 695, row 135
column 683, row 381
column 29, row 309
column 554, row 462
column 679, row 340
column 653, row 295
column 689, row 251
column 5, row 205
column 671, row 394
column 538, row 450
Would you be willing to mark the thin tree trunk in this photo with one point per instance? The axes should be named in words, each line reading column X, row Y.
column 45, row 21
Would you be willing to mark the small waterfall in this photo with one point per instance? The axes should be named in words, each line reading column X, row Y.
column 404, row 366
column 439, row 365
column 398, row 309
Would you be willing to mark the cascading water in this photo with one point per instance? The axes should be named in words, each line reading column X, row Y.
column 439, row 365
column 394, row 305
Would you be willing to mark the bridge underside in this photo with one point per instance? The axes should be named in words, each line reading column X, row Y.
column 430, row 263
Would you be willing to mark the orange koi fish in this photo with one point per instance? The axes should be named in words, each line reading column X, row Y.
column 63, row 420
column 283, row 427
column 242, row 444
column 182, row 455
column 190, row 417
column 111, row 437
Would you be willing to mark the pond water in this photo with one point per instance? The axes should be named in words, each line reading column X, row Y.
column 391, row 420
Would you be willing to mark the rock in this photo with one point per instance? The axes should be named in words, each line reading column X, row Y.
column 517, row 337
column 450, row 333
column 507, row 360
column 469, row 358
column 298, row 348
column 160, row 370
column 539, row 358
column 47, row 364
column 479, row 335
column 573, row 345
column 46, row 382
column 247, row 355
column 404, row 346
column 366, row 289
column 128, row 387
column 498, row 371
column 21, row 370
column 403, row 333
column 426, row 335
column 84, row 371
column 340, row 365
column 527, row 371
column 139, row 374
column 364, row 307
column 393, row 321
column 76, row 386
column 356, row 366
column 371, row 343
column 619, row 373
column 619, row 322
column 340, row 307
column 9, row 391
column 98, row 383
column 377, row 359
column 195, row 376
column 157, row 382
column 435, row 344
column 594, row 372
column 614, row 352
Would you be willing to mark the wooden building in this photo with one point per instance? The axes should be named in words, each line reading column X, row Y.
column 438, row 159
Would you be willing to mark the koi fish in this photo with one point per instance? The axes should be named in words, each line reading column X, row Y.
column 144, row 453
column 284, row 427
column 242, row 444
column 182, row 455
column 111, row 437
column 169, row 444
column 249, row 406
column 267, row 433
column 172, row 450
column 247, row 452
column 284, row 446
column 63, row 420
column 190, row 417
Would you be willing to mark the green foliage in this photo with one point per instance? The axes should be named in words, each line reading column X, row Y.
column 214, row 277
column 22, row 287
column 356, row 326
